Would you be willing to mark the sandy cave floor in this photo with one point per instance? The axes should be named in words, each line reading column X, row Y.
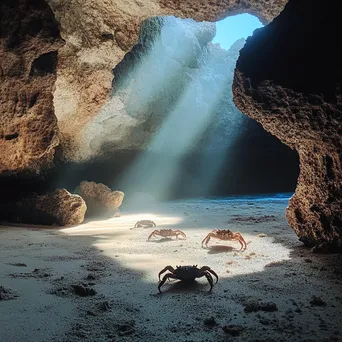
column 276, row 290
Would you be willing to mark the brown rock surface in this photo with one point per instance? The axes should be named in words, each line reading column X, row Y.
column 99, row 33
column 55, row 208
column 100, row 199
column 28, row 57
column 203, row 10
column 288, row 78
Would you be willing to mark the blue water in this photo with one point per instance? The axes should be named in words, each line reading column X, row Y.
column 285, row 196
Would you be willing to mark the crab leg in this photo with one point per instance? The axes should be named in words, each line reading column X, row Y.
column 166, row 277
column 242, row 245
column 214, row 273
column 207, row 268
column 167, row 268
column 242, row 241
column 179, row 232
column 155, row 232
column 238, row 237
column 206, row 239
column 210, row 279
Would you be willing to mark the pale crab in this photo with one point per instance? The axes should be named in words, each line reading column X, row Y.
column 145, row 224
column 187, row 273
column 227, row 235
column 167, row 233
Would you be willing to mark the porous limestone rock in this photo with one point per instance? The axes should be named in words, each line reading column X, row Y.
column 56, row 208
column 289, row 78
column 100, row 199
column 28, row 57
column 99, row 33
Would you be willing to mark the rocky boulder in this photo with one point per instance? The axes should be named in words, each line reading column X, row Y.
column 59, row 207
column 100, row 199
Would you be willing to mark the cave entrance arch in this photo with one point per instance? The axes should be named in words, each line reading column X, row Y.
column 172, row 95
column 316, row 215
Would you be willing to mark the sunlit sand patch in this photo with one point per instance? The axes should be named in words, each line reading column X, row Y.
column 130, row 248
column 125, row 222
column 143, row 256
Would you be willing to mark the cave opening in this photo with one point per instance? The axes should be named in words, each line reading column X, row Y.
column 98, row 280
column 171, row 128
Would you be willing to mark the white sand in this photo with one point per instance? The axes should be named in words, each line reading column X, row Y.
column 127, row 306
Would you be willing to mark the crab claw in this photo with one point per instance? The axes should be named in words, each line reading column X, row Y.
column 213, row 273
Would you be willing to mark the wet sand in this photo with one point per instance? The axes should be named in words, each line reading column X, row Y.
column 98, row 281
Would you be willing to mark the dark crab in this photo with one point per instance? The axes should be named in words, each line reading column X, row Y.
column 144, row 224
column 187, row 273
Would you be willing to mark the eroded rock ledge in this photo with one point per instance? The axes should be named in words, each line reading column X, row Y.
column 214, row 10
column 288, row 78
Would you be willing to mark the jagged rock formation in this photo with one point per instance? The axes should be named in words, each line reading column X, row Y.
column 97, row 36
column 55, row 208
column 289, row 78
column 28, row 57
column 100, row 200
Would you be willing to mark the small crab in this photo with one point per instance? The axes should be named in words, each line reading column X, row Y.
column 225, row 234
column 187, row 273
column 167, row 233
column 145, row 224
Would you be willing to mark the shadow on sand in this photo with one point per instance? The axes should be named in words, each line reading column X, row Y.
column 178, row 286
column 179, row 312
column 220, row 249
column 289, row 285
column 165, row 240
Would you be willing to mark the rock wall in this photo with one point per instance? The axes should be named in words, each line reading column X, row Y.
column 288, row 78
column 28, row 57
